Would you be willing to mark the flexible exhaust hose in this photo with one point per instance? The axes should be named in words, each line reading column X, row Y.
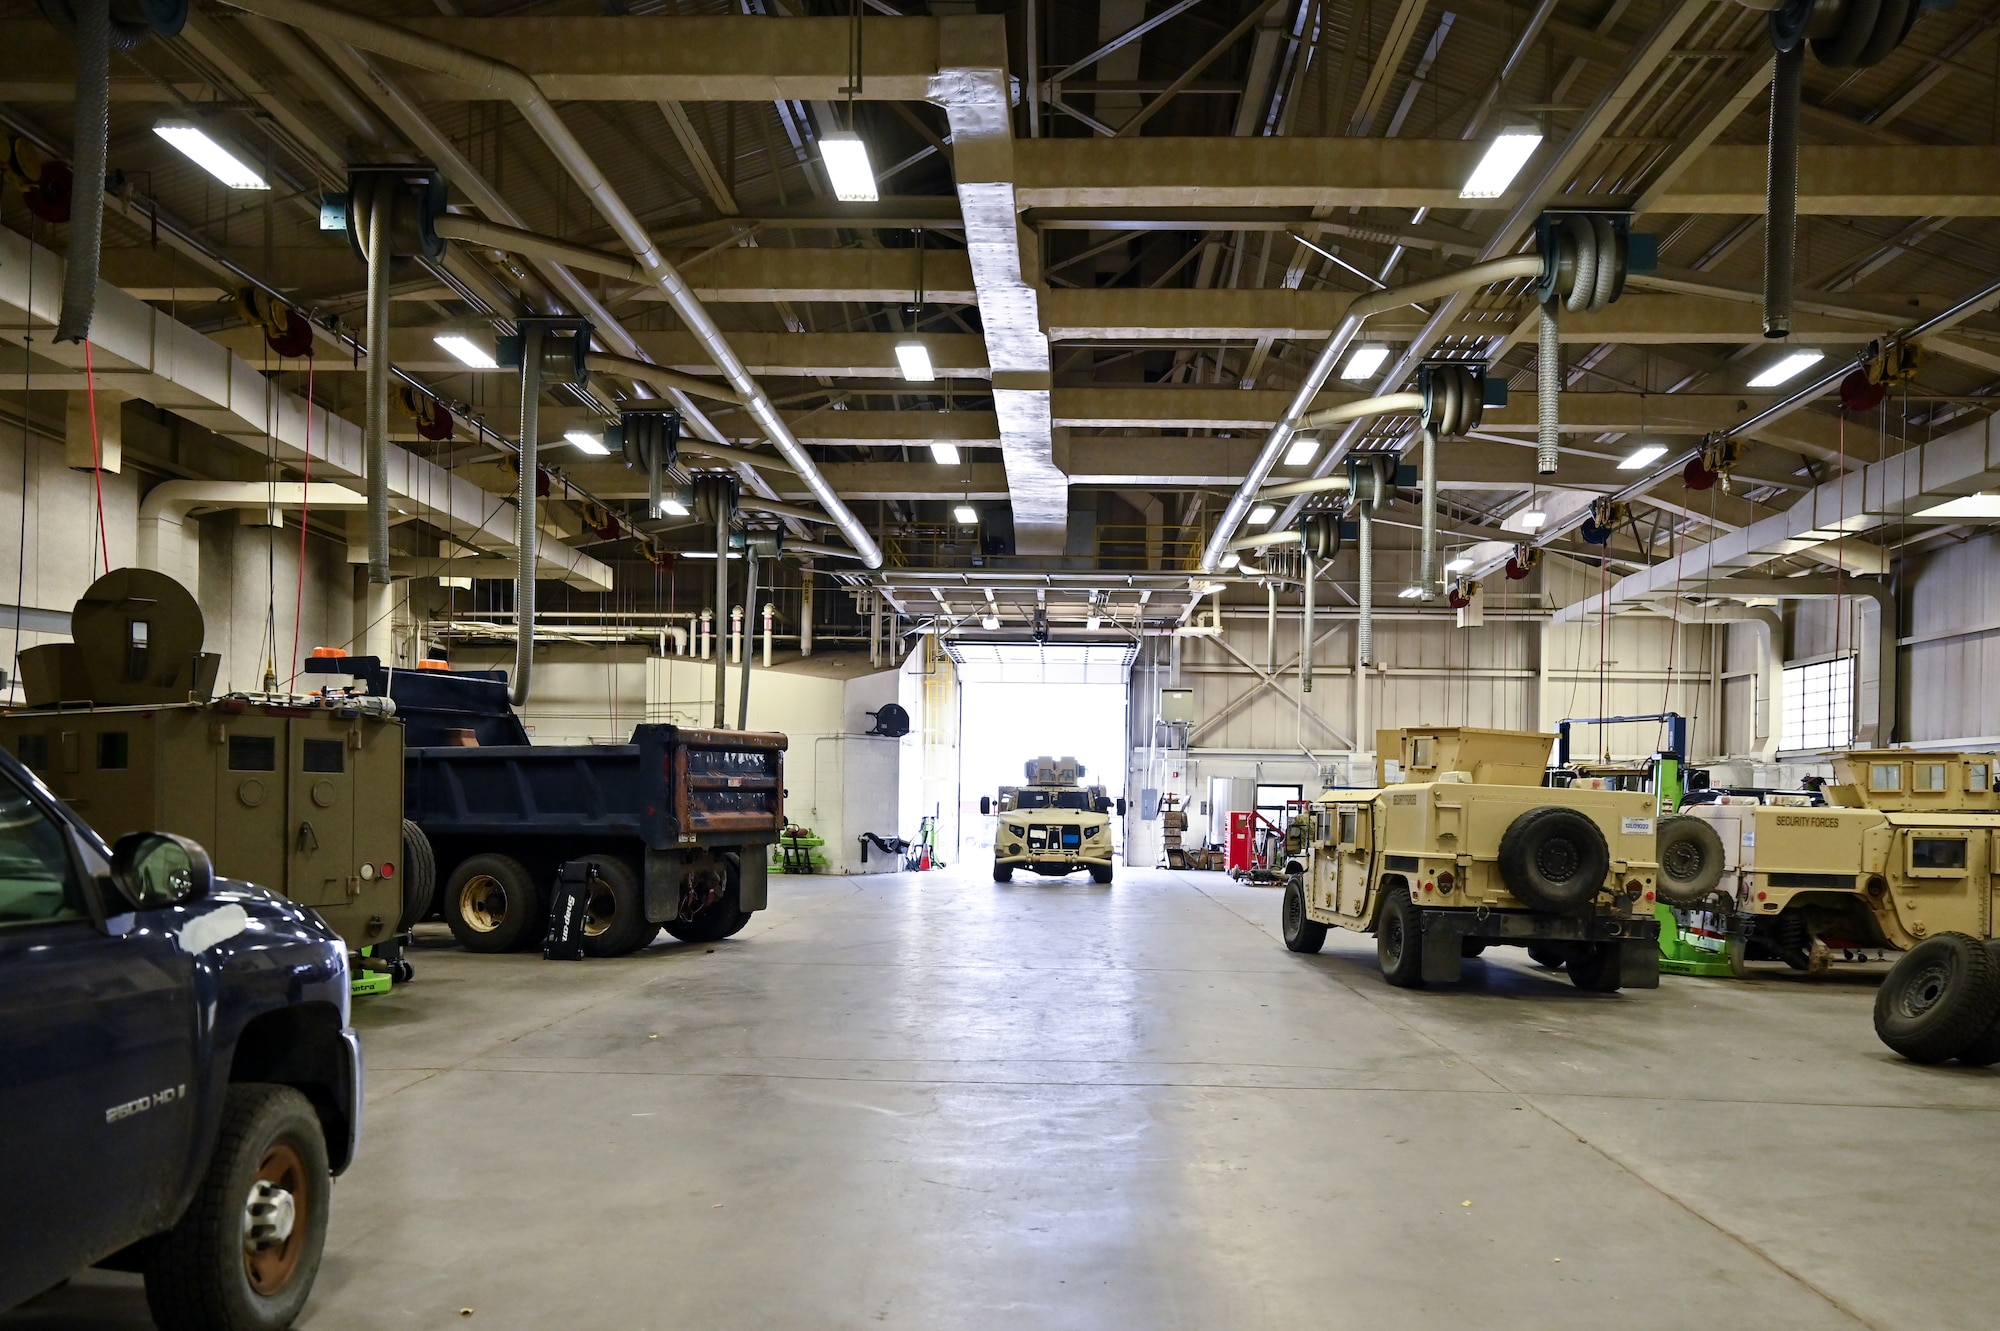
column 1364, row 632
column 1306, row 633
column 805, row 607
column 86, row 191
column 525, row 531
column 1781, row 192
column 1548, row 388
column 1427, row 557
column 380, row 203
column 749, row 604
column 1271, row 627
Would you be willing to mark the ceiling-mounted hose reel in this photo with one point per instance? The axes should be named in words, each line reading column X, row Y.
column 649, row 439
column 44, row 182
column 1884, row 362
column 1586, row 258
column 1320, row 535
column 1456, row 395
column 1715, row 462
column 1606, row 517
column 1524, row 560
column 1370, row 486
column 565, row 346
column 1843, row 34
column 286, row 329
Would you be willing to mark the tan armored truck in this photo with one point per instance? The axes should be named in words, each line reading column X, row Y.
column 1054, row 824
column 1902, row 850
column 1469, row 849
column 300, row 794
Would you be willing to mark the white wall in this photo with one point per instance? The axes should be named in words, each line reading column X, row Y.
column 578, row 693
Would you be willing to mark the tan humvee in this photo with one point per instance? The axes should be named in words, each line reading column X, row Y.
column 1904, row 849
column 1470, row 849
column 1052, row 825
column 298, row 794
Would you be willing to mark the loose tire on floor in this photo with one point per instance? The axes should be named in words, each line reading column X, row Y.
column 1690, row 855
column 1100, row 873
column 1549, row 956
column 1554, row 859
column 1301, row 932
column 1399, row 940
column 232, row 1262
column 419, row 876
column 492, row 904
column 1596, row 968
column 1939, row 999
column 1003, row 873
column 614, row 922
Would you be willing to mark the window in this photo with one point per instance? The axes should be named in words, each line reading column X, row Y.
column 114, row 751
column 1937, row 854
column 35, row 879
column 1885, row 776
column 1977, row 776
column 1350, row 826
column 1420, row 751
column 253, row 753
column 1819, row 705
column 323, row 755
column 1929, row 777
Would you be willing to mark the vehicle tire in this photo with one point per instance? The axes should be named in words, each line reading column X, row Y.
column 419, row 876
column 1399, row 940
column 1595, row 969
column 268, row 1170
column 1100, row 873
column 1549, row 956
column 492, row 904
column 615, row 923
column 1471, row 947
column 1690, row 855
column 718, row 922
column 1940, row 999
column 1302, row 932
column 1554, row 859
column 1003, row 873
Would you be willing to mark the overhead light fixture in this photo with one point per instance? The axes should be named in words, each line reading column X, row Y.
column 1262, row 514
column 845, row 157
column 1505, row 156
column 989, row 622
column 944, row 454
column 1787, row 368
column 1094, row 623
column 1362, row 362
column 1457, row 565
column 1302, row 451
column 1643, row 457
column 466, row 351
column 707, row 554
column 915, row 358
column 1230, row 560
column 1532, row 520
column 966, row 514
column 1410, row 593
column 586, row 442
column 673, row 508
column 196, row 145
column 1981, row 505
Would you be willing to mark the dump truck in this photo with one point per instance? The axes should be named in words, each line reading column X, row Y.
column 677, row 822
column 1052, row 825
column 297, row 793
column 1468, row 849
column 1902, row 850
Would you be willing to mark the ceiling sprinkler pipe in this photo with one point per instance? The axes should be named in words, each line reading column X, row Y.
column 516, row 86
column 1781, row 192
column 1375, row 302
column 525, row 531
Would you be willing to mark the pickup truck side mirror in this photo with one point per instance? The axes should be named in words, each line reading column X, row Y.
column 985, row 804
column 157, row 869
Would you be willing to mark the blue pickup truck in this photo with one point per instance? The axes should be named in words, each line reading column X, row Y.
column 178, row 1080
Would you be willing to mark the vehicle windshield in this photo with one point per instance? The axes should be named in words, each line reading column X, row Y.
column 1053, row 799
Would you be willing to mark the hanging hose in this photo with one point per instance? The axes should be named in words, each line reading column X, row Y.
column 1454, row 397
column 1364, row 632
column 1271, row 628
column 92, row 142
column 1589, row 255
column 1310, row 570
column 1781, row 192
column 525, row 531
column 1548, row 389
column 377, row 214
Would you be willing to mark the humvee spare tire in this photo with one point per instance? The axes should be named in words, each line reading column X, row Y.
column 1554, row 859
column 1941, row 997
column 1690, row 855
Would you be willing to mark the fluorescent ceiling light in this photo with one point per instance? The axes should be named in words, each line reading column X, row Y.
column 587, row 442
column 966, row 513
column 1532, row 520
column 945, row 454
column 915, row 358
column 1458, row 565
column 467, row 351
column 1262, row 514
column 707, row 554
column 1301, row 452
column 1504, row 158
column 1094, row 623
column 845, row 157
column 673, row 508
column 1231, row 559
column 1410, row 593
column 1980, row 505
column 1364, row 361
column 194, row 143
column 1786, row 368
column 989, row 622
column 1643, row 457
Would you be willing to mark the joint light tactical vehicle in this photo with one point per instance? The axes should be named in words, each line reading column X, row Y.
column 1054, row 824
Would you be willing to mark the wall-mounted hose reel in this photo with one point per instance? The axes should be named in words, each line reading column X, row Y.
column 408, row 199
column 1456, row 395
column 565, row 345
column 1586, row 258
column 649, row 439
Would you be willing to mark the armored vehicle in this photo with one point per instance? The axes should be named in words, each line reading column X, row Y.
column 301, row 794
column 1902, row 850
column 1054, row 824
column 1468, row 849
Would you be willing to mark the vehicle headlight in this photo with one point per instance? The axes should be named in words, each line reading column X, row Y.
column 1093, row 831
column 1016, row 831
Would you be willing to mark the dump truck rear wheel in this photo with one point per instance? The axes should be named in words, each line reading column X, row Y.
column 1595, row 969
column 419, row 876
column 1940, row 999
column 491, row 904
column 615, row 923
column 1399, row 940
column 1554, row 859
column 1302, row 932
column 1690, row 854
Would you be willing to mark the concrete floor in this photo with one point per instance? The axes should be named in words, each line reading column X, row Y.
column 920, row 1101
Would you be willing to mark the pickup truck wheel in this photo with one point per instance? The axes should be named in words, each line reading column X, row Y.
column 491, row 904
column 1399, row 940
column 245, row 1252
column 1690, row 855
column 1302, row 932
column 1554, row 859
column 419, row 876
column 1939, row 999
column 615, row 923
